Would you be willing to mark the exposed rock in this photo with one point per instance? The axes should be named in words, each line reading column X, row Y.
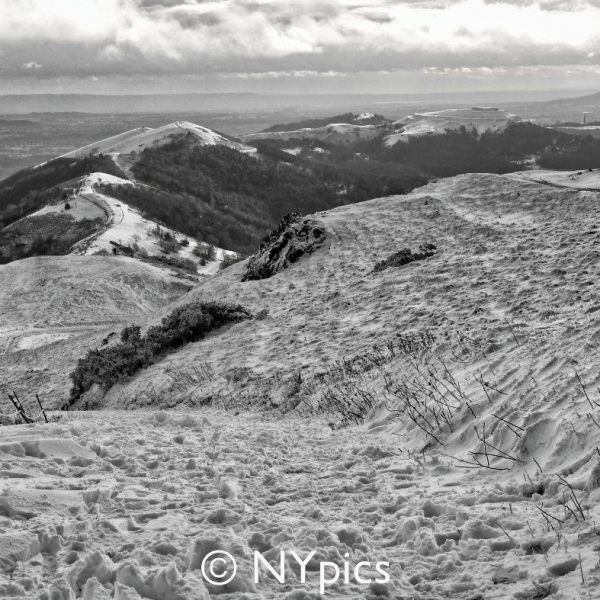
column 294, row 237
column 406, row 256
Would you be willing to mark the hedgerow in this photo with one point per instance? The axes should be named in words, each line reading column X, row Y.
column 187, row 323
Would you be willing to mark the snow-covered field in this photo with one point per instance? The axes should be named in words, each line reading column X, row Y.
column 112, row 505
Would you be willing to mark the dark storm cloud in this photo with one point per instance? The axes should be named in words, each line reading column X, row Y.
column 102, row 37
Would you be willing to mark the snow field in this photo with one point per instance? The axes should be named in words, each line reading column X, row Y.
column 128, row 505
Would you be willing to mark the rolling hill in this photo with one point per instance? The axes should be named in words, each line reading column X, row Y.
column 418, row 385
column 492, row 323
column 198, row 185
column 86, row 221
column 478, row 119
column 350, row 128
column 438, row 144
column 214, row 193
column 55, row 306
column 137, row 140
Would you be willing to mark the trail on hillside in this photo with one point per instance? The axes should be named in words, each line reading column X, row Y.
column 137, row 500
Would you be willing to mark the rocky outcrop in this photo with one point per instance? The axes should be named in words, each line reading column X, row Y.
column 294, row 237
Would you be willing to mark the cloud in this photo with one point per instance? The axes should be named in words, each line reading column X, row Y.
column 102, row 37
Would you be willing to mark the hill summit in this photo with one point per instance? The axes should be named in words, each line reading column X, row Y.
column 478, row 120
column 351, row 128
column 137, row 140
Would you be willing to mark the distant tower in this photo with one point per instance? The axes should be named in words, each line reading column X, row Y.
column 585, row 114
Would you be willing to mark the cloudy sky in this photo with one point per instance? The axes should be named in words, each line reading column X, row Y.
column 298, row 45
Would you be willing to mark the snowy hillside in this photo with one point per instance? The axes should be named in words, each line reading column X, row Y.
column 474, row 474
column 141, row 138
column 53, row 307
column 125, row 226
column 588, row 179
column 418, row 124
column 334, row 133
column 512, row 319
column 479, row 119
column 508, row 326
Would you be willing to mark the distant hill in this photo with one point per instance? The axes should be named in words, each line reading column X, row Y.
column 141, row 138
column 587, row 100
column 197, row 183
column 349, row 127
column 349, row 118
column 575, row 107
column 440, row 143
column 479, row 120
column 232, row 199
column 212, row 193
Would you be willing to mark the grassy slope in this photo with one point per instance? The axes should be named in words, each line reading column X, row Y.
column 54, row 308
column 514, row 259
column 232, row 200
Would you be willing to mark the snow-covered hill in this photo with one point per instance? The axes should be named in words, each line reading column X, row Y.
column 334, row 133
column 511, row 327
column 54, row 307
column 128, row 227
column 138, row 139
column 479, row 119
column 475, row 473
column 125, row 226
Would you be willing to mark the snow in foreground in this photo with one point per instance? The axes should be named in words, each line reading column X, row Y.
column 127, row 505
